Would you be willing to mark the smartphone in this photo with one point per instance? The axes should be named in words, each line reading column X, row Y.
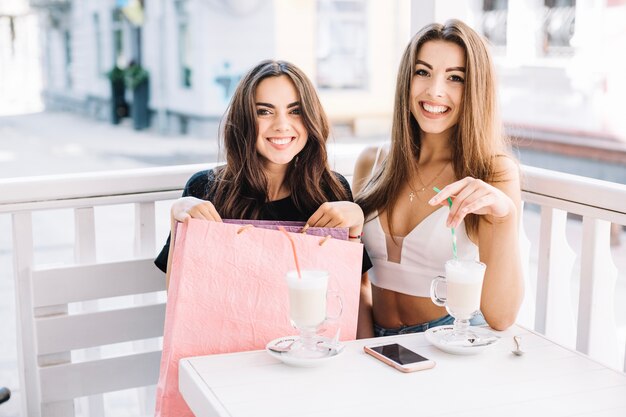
column 401, row 358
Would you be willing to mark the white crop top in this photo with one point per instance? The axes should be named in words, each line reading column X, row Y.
column 424, row 253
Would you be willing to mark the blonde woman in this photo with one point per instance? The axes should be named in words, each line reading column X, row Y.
column 447, row 134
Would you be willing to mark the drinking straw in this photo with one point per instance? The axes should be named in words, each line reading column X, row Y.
column 293, row 247
column 452, row 228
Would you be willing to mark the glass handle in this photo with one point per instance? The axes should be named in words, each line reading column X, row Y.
column 441, row 302
column 336, row 295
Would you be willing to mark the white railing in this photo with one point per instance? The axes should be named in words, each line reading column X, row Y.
column 590, row 328
column 55, row 372
column 599, row 203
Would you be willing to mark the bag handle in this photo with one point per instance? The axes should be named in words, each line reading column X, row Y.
column 248, row 226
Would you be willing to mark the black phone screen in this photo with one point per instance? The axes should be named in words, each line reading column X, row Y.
column 399, row 354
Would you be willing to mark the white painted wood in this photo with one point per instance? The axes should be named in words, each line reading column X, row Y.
column 61, row 285
column 91, row 280
column 84, row 252
column 69, row 284
column 22, row 238
column 78, row 190
column 547, row 380
column 57, row 409
column 526, row 315
column 543, row 269
column 554, row 317
column 67, row 381
column 84, row 235
column 50, row 188
column 597, row 330
column 197, row 394
column 567, row 187
column 79, row 331
column 22, row 226
column 145, row 235
column 575, row 207
column 89, row 202
column 145, row 229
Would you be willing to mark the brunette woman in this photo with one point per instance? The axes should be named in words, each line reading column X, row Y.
column 274, row 134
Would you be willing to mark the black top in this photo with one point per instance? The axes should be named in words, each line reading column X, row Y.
column 199, row 186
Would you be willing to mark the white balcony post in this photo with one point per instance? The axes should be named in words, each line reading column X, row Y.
column 554, row 315
column 84, row 235
column 26, row 351
column 526, row 315
column 597, row 330
column 145, row 235
column 85, row 252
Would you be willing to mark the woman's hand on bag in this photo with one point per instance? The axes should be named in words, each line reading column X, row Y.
column 338, row 214
column 191, row 207
column 471, row 195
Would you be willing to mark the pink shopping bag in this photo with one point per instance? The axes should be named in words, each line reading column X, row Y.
column 228, row 293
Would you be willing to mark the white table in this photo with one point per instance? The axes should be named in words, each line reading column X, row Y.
column 547, row 380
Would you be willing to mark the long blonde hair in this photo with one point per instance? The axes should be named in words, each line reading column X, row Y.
column 476, row 140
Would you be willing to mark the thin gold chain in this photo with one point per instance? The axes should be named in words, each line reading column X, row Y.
column 413, row 193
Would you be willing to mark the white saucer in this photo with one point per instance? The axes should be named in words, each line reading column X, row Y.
column 291, row 360
column 486, row 339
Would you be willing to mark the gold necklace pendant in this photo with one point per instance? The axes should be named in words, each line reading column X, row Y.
column 419, row 178
column 415, row 194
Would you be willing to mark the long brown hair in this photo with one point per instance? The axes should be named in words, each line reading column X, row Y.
column 241, row 186
column 476, row 140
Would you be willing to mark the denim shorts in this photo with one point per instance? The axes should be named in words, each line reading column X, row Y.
column 477, row 320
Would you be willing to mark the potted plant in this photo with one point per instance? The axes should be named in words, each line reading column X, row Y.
column 119, row 107
column 137, row 80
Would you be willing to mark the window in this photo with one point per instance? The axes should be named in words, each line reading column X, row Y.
column 184, row 44
column 558, row 27
column 98, row 39
column 183, row 55
column 118, row 39
column 342, row 44
column 67, row 42
column 494, row 24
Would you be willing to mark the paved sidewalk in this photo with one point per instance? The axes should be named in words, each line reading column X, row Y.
column 55, row 143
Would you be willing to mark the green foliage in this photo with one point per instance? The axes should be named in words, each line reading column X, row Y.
column 131, row 76
column 135, row 75
column 116, row 74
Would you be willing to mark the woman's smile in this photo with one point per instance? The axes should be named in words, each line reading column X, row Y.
column 432, row 110
column 281, row 142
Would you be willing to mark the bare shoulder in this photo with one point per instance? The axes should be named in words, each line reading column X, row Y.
column 366, row 158
column 364, row 165
column 506, row 170
column 507, row 177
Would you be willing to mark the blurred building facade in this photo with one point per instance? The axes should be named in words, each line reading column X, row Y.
column 20, row 76
column 196, row 50
column 559, row 61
